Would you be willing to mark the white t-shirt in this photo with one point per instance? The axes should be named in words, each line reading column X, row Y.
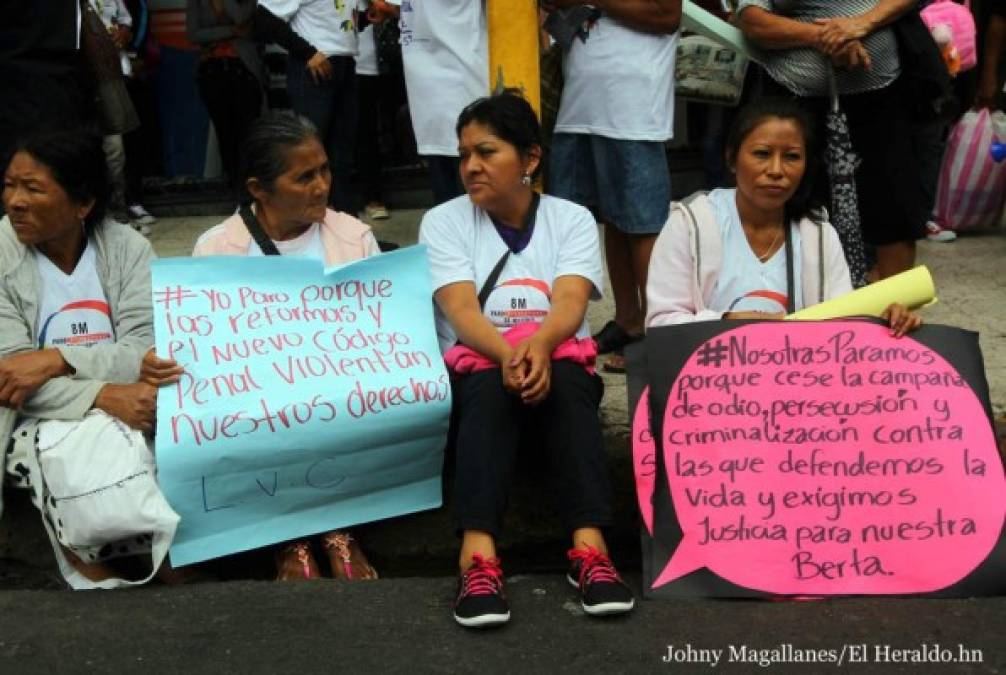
column 307, row 245
column 73, row 310
column 445, row 53
column 366, row 58
column 746, row 284
column 619, row 84
column 327, row 25
column 465, row 246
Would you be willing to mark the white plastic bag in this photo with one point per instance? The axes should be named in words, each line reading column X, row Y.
column 972, row 187
column 98, row 488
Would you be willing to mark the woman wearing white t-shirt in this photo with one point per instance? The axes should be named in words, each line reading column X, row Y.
column 754, row 252
column 286, row 173
column 512, row 275
column 75, row 324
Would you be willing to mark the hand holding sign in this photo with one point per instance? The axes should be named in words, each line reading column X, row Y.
column 828, row 458
column 308, row 401
column 156, row 371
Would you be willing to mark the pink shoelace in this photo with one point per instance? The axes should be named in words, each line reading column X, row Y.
column 303, row 552
column 594, row 566
column 340, row 542
column 483, row 577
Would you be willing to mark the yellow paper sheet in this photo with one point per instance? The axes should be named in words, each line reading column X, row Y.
column 513, row 48
column 913, row 289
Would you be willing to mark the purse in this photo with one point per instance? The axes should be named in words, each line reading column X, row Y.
column 708, row 72
column 97, row 489
column 115, row 108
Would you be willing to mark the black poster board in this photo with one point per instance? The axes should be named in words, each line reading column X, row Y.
column 954, row 367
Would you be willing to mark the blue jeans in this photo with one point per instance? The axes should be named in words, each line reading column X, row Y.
column 331, row 107
column 626, row 184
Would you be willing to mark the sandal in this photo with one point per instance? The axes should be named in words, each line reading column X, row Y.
column 294, row 562
column 613, row 338
column 347, row 558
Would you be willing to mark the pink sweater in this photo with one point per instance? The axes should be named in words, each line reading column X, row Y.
column 463, row 360
column 343, row 237
column 688, row 257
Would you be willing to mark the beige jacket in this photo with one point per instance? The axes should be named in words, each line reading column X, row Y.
column 688, row 256
column 123, row 263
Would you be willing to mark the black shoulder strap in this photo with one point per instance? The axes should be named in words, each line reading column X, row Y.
column 820, row 264
column 790, row 286
column 255, row 229
column 491, row 280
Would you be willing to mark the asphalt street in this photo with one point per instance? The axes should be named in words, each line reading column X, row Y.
column 405, row 626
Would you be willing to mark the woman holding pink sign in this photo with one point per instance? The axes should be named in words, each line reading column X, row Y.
column 285, row 171
column 761, row 250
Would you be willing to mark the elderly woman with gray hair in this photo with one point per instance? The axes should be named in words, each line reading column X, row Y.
column 285, row 172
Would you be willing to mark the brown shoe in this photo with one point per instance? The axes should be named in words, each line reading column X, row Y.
column 294, row 562
column 347, row 558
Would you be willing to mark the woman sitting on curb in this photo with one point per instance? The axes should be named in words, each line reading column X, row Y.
column 75, row 323
column 754, row 252
column 512, row 274
column 285, row 171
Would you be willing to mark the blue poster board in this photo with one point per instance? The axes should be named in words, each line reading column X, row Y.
column 312, row 399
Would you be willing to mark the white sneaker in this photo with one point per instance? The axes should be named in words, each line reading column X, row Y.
column 138, row 214
column 936, row 233
column 376, row 211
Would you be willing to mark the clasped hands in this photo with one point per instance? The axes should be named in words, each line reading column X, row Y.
column 527, row 370
column 841, row 39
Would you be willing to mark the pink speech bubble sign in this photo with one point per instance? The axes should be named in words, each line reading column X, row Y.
column 827, row 458
column 644, row 452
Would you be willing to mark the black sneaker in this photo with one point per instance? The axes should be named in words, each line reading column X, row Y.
column 602, row 591
column 481, row 601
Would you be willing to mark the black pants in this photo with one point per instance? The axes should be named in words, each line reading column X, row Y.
column 141, row 145
column 491, row 425
column 331, row 107
column 368, row 147
column 444, row 178
column 233, row 96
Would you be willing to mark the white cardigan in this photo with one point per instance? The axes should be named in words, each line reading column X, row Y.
column 688, row 257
